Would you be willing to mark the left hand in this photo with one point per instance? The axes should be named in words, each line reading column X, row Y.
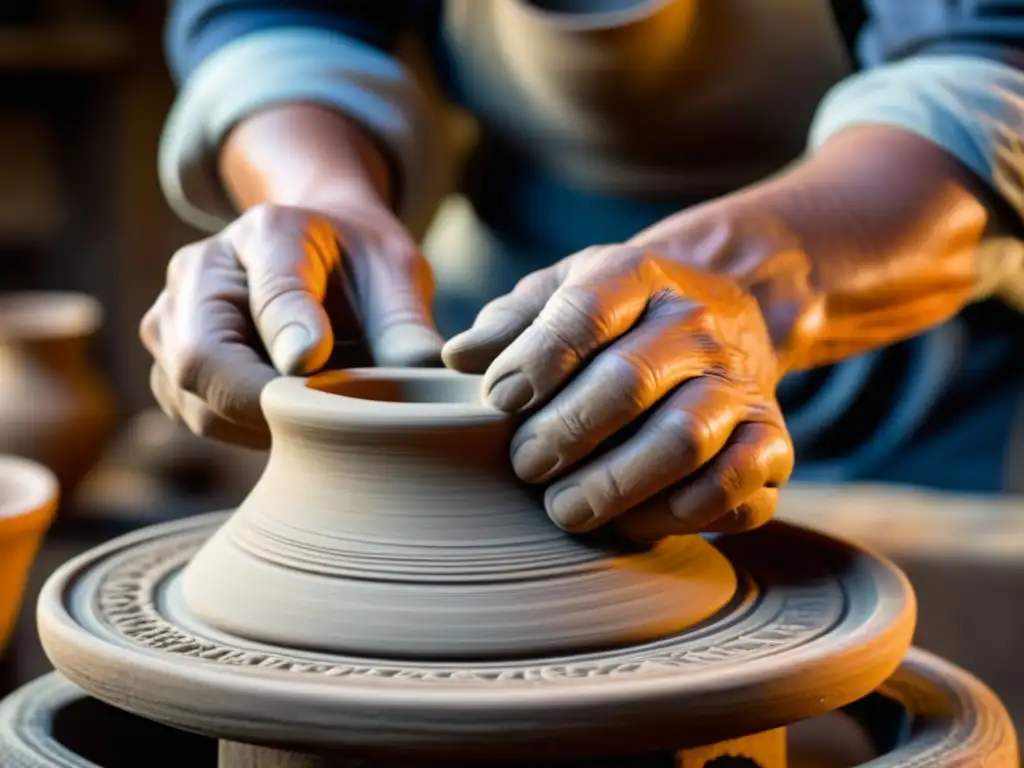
column 651, row 387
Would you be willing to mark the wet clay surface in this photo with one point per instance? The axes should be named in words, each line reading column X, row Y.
column 389, row 496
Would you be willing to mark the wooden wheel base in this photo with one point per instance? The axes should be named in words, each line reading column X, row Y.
column 929, row 714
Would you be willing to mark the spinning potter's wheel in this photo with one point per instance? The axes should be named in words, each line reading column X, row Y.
column 388, row 592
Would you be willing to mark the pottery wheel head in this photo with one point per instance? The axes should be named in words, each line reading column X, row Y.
column 389, row 521
column 815, row 624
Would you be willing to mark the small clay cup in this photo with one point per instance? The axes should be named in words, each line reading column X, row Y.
column 29, row 493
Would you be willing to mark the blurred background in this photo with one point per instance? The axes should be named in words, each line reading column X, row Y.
column 83, row 95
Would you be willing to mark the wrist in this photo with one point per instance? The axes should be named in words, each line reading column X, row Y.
column 305, row 156
column 890, row 225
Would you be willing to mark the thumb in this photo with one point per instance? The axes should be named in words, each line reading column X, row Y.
column 395, row 298
column 287, row 269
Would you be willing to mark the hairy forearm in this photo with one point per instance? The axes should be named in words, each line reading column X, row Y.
column 302, row 155
column 871, row 240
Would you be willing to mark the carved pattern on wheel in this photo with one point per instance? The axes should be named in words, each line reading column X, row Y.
column 126, row 602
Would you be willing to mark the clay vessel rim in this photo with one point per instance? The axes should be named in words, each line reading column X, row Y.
column 41, row 315
column 28, row 491
column 406, row 398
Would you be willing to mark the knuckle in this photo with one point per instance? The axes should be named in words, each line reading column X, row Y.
column 563, row 436
column 566, row 427
column 637, row 377
column 581, row 303
column 641, row 262
column 590, row 258
column 728, row 483
column 607, row 493
column 687, row 432
column 189, row 366
column 182, row 260
column 574, row 318
column 758, row 467
column 270, row 290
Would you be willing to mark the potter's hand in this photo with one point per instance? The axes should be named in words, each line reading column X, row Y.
column 654, row 389
column 262, row 284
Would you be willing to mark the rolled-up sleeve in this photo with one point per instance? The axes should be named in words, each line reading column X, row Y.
column 232, row 58
column 952, row 72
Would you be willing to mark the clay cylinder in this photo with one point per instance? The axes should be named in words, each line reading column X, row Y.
column 389, row 521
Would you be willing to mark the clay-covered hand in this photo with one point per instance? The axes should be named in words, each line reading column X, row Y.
column 287, row 285
column 650, row 386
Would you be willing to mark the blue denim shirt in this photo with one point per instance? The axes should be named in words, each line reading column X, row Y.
column 938, row 409
column 879, row 30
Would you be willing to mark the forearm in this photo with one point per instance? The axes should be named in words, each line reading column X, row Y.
column 264, row 86
column 302, row 155
column 890, row 228
column 870, row 240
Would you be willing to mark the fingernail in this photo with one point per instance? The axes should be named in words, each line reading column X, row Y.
column 512, row 392
column 570, row 510
column 408, row 345
column 289, row 347
column 532, row 462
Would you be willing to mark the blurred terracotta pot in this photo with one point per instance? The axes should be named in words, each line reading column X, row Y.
column 54, row 407
column 28, row 501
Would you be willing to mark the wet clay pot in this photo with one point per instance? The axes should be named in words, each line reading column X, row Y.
column 28, row 501
column 54, row 408
column 391, row 493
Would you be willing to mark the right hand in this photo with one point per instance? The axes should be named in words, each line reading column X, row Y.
column 288, row 285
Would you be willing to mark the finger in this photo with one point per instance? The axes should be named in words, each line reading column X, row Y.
column 682, row 435
column 164, row 393
column 623, row 383
column 758, row 456
column 205, row 422
column 752, row 513
column 206, row 340
column 502, row 320
column 149, row 327
column 288, row 258
column 396, row 303
column 394, row 287
column 592, row 307
column 187, row 409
